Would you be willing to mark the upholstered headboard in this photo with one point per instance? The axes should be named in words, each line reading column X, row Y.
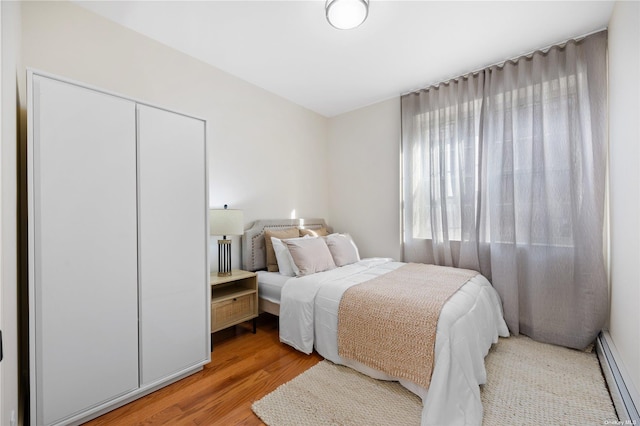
column 254, row 255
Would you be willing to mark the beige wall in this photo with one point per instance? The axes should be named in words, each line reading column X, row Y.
column 624, row 139
column 10, row 37
column 267, row 155
column 364, row 177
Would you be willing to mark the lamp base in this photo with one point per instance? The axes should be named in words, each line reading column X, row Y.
column 224, row 258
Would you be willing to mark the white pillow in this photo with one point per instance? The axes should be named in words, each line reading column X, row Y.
column 310, row 255
column 286, row 264
column 343, row 250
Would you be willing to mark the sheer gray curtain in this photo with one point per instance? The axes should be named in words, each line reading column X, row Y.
column 504, row 173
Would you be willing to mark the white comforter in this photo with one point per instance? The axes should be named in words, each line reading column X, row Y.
column 470, row 322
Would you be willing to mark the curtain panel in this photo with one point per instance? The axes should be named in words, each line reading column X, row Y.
column 504, row 173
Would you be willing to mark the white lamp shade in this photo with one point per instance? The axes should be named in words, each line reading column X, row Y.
column 226, row 222
column 346, row 14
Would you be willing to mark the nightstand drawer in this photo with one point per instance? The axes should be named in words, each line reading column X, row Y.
column 230, row 311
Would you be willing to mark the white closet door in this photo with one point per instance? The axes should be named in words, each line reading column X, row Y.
column 174, row 284
column 83, row 248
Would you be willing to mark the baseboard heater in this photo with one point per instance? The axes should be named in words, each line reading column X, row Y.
column 623, row 393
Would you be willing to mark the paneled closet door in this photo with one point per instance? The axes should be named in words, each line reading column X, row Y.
column 174, row 286
column 83, row 249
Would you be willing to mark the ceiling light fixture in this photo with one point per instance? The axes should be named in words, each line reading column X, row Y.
column 346, row 14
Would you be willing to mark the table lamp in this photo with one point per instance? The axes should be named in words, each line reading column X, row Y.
column 225, row 222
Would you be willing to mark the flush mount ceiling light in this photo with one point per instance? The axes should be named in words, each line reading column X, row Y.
column 346, row 14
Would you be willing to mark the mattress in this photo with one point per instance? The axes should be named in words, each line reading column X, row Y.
column 470, row 323
column 270, row 285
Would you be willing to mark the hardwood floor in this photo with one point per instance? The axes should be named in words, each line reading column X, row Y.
column 244, row 367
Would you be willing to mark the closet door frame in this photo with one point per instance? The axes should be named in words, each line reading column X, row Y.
column 143, row 389
column 170, row 229
column 84, row 247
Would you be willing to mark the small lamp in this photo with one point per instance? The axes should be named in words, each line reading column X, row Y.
column 225, row 222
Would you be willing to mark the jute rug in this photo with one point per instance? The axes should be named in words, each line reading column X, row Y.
column 529, row 383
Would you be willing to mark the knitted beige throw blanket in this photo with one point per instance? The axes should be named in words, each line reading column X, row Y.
column 389, row 322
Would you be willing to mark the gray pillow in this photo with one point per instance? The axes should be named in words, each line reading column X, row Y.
column 310, row 255
column 343, row 250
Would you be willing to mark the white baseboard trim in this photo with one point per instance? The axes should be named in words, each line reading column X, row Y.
column 623, row 393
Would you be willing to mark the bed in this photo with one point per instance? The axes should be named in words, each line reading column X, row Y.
column 308, row 306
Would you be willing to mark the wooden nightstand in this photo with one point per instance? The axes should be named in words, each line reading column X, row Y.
column 234, row 299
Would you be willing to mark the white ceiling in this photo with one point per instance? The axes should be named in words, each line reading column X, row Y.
column 288, row 48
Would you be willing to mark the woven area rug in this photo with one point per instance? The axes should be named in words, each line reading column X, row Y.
column 529, row 383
